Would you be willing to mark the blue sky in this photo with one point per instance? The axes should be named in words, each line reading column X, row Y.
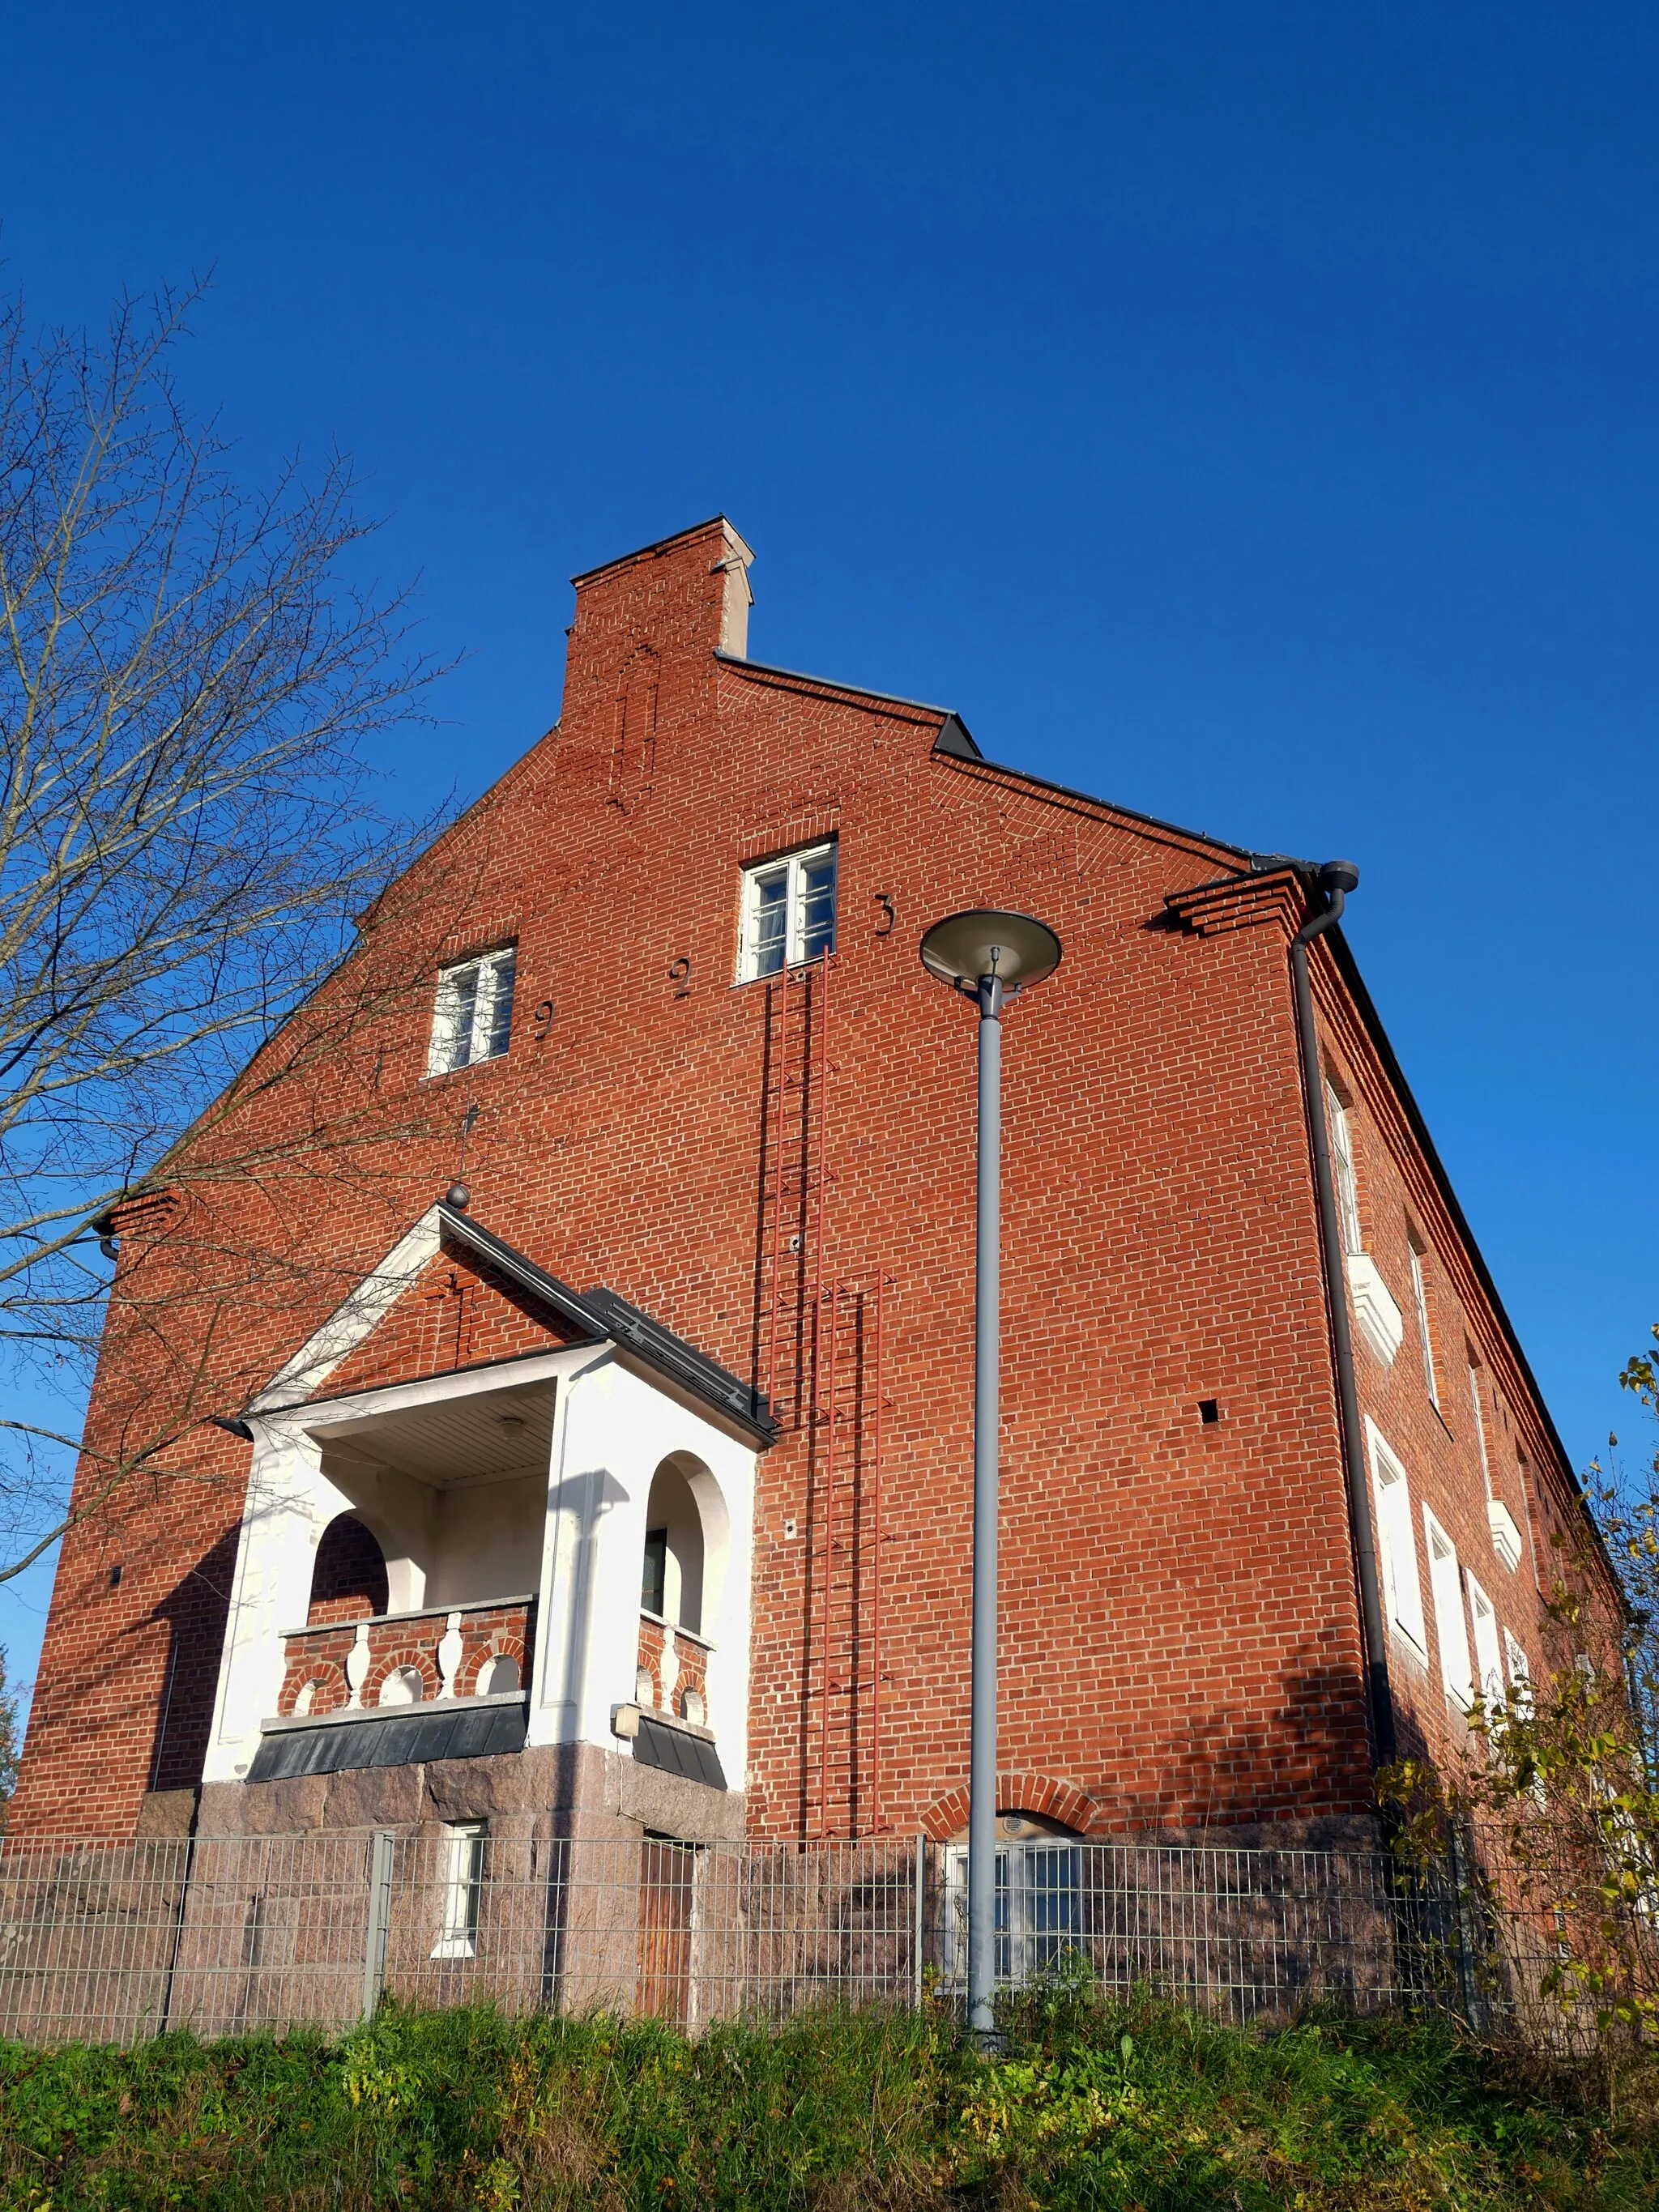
column 1246, row 413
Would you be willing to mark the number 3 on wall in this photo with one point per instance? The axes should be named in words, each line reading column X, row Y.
column 886, row 917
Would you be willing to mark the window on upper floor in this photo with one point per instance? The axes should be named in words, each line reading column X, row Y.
column 472, row 1017
column 1347, row 1189
column 1479, row 1426
column 1420, row 1298
column 1519, row 1665
column 1396, row 1544
column 1488, row 1652
column 788, row 912
column 1446, row 1581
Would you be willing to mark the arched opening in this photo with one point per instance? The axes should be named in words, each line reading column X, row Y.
column 670, row 1583
column 402, row 1686
column 501, row 1674
column 348, row 1579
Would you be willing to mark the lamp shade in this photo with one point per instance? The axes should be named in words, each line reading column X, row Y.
column 1013, row 947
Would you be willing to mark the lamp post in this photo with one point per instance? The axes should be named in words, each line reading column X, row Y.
column 989, row 956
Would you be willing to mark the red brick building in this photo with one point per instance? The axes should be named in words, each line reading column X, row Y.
column 686, row 1547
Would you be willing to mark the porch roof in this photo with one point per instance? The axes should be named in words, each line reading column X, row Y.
column 599, row 1315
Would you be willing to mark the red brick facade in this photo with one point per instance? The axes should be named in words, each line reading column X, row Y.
column 754, row 1163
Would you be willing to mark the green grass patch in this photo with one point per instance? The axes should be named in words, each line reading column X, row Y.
column 1090, row 2105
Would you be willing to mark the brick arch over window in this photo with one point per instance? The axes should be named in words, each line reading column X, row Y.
column 1018, row 1791
column 349, row 1580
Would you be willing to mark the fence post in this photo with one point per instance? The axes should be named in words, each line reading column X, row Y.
column 379, row 1920
column 921, row 1910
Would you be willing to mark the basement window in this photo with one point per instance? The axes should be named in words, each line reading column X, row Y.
column 463, row 1890
column 473, row 1018
column 788, row 912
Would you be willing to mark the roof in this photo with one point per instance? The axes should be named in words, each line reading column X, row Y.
column 599, row 1315
column 1348, row 968
column 1364, row 1005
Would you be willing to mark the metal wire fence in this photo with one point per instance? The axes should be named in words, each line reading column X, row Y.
column 116, row 1942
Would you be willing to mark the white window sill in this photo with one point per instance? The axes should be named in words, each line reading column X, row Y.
column 1380, row 1322
column 1505, row 1536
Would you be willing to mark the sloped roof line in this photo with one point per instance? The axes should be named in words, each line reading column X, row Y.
column 742, row 665
column 604, row 1315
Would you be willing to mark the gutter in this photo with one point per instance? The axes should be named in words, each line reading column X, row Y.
column 1336, row 879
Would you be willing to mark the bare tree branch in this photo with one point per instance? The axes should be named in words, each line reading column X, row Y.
column 186, row 835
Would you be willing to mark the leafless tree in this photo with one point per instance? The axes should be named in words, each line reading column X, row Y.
column 187, row 834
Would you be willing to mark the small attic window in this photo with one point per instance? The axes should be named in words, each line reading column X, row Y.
column 788, row 912
column 472, row 1017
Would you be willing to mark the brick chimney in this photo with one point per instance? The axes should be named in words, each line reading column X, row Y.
column 641, row 647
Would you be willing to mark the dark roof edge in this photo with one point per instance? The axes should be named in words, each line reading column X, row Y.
column 830, row 683
column 1348, row 968
column 525, row 1271
column 977, row 759
column 604, row 1315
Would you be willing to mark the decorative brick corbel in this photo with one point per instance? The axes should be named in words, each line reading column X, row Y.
column 1240, row 902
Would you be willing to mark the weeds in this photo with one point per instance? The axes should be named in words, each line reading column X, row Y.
column 1090, row 2105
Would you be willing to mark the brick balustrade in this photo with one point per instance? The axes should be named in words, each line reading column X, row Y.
column 676, row 1663
column 320, row 1658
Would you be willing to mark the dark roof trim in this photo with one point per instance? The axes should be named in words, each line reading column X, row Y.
column 602, row 1316
column 528, row 1276
column 1348, row 968
column 1106, row 805
column 735, row 660
column 954, row 742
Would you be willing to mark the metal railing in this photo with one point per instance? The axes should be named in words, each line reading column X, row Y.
column 116, row 1942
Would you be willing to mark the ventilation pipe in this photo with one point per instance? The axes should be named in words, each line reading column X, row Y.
column 1335, row 880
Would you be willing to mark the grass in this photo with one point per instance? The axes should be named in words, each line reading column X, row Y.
column 1090, row 2105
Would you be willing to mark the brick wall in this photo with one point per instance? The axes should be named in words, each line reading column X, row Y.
column 1180, row 1634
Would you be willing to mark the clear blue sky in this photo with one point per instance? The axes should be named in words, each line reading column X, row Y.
column 1246, row 413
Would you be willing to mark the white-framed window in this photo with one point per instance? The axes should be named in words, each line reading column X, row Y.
column 1396, row 1543
column 789, row 911
column 1479, row 1426
column 1347, row 1189
column 1520, row 1668
column 1039, row 1908
column 1420, row 1298
column 1446, row 1581
column 464, row 1852
column 472, row 1016
column 1488, row 1650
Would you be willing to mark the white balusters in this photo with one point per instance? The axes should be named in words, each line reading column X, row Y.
column 451, row 1646
column 356, row 1667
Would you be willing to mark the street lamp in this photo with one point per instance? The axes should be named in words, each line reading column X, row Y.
column 988, row 957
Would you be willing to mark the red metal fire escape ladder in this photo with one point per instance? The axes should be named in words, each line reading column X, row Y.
column 821, row 1356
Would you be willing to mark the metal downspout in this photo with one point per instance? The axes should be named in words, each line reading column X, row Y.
column 1336, row 879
